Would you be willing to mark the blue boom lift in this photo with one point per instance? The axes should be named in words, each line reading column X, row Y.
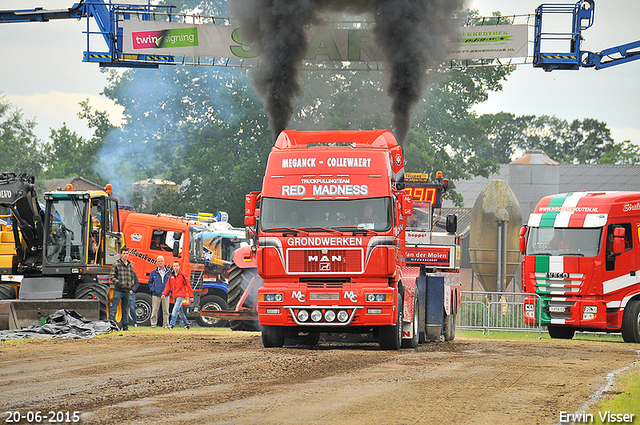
column 108, row 17
column 562, row 50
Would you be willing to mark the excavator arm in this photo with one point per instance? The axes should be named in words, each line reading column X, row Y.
column 17, row 193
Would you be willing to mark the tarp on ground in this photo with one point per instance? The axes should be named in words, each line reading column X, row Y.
column 62, row 324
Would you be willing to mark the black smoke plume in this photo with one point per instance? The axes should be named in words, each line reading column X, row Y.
column 412, row 34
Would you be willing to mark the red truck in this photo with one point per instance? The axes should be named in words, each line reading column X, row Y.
column 330, row 227
column 581, row 254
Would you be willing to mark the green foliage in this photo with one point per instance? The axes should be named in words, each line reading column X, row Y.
column 21, row 151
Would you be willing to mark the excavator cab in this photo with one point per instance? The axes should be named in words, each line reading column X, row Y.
column 82, row 232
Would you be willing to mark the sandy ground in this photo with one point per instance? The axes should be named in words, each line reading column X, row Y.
column 217, row 376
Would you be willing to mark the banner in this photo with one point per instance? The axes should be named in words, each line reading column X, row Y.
column 325, row 43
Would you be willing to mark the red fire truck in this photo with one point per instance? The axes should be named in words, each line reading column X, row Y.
column 331, row 244
column 580, row 258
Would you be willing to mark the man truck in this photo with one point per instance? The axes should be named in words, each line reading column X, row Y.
column 581, row 254
column 331, row 249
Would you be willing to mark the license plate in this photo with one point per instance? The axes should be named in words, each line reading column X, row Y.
column 556, row 309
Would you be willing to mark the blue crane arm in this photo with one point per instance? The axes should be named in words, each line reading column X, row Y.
column 39, row 14
column 613, row 56
column 561, row 49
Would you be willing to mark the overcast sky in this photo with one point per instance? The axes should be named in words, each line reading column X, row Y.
column 42, row 73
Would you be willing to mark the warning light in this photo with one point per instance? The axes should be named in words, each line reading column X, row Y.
column 69, row 187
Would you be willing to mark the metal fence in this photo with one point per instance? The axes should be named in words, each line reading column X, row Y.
column 489, row 311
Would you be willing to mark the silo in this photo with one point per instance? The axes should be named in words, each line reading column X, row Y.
column 533, row 177
column 495, row 227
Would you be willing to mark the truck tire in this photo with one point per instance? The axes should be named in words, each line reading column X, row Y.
column 449, row 330
column 273, row 336
column 211, row 302
column 561, row 332
column 239, row 281
column 99, row 291
column 390, row 337
column 631, row 322
column 143, row 309
column 7, row 292
column 413, row 342
column 311, row 339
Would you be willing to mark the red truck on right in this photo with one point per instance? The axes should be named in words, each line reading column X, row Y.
column 581, row 254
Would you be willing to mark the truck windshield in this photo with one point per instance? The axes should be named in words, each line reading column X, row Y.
column 564, row 241
column 278, row 214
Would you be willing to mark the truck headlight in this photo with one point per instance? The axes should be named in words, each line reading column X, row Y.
column 303, row 315
column 316, row 315
column 530, row 310
column 379, row 297
column 343, row 316
column 272, row 297
column 589, row 312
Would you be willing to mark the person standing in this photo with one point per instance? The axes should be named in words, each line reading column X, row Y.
column 132, row 302
column 180, row 289
column 158, row 279
column 123, row 278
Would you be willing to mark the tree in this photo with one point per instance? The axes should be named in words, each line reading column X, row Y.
column 21, row 149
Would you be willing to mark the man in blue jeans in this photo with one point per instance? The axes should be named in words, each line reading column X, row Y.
column 123, row 278
column 180, row 289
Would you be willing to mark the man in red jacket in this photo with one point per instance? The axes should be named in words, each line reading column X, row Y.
column 180, row 289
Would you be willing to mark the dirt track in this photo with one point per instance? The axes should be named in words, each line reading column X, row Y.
column 218, row 376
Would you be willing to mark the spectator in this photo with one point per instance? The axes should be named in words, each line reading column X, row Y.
column 123, row 278
column 180, row 289
column 157, row 282
column 132, row 302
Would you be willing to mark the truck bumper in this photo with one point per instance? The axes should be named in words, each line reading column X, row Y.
column 582, row 313
column 327, row 316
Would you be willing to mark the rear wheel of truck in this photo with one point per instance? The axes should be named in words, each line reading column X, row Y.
column 631, row 322
column 390, row 337
column 273, row 336
column 99, row 291
column 239, row 281
column 413, row 342
column 7, row 292
column 211, row 302
column 143, row 309
column 561, row 332
column 449, row 327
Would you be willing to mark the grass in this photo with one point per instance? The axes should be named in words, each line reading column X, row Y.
column 533, row 335
column 625, row 402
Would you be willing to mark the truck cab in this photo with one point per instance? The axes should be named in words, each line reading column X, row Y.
column 580, row 259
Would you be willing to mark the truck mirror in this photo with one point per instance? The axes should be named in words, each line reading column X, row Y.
column 452, row 223
column 406, row 204
column 250, row 202
column 523, row 242
column 618, row 245
column 250, row 220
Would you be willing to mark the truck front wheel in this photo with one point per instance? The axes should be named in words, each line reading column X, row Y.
column 631, row 322
column 390, row 337
column 272, row 336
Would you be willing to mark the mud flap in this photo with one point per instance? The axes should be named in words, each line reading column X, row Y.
column 434, row 311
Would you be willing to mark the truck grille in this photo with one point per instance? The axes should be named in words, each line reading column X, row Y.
column 196, row 279
column 561, row 286
column 324, row 260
